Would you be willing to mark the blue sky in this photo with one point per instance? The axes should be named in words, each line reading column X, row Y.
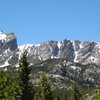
column 36, row 21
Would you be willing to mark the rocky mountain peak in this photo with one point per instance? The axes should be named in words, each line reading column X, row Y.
column 64, row 60
column 8, row 41
column 8, row 46
column 76, row 51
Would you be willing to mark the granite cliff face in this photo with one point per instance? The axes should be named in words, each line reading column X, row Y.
column 64, row 61
column 75, row 51
column 8, row 47
column 60, row 72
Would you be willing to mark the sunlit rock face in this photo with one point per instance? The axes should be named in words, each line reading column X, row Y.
column 75, row 51
column 8, row 46
column 63, row 61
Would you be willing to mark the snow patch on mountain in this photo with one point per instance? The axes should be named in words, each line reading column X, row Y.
column 2, row 36
column 98, row 45
column 5, row 64
column 93, row 59
column 59, row 45
column 75, row 52
column 27, row 46
column 24, row 47
column 81, row 45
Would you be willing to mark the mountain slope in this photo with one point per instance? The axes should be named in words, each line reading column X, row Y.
column 76, row 51
column 64, row 61
column 61, row 72
column 8, row 47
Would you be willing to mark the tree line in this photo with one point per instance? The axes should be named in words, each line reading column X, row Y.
column 21, row 88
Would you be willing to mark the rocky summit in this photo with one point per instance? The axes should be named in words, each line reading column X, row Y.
column 65, row 60
column 76, row 51
column 8, row 47
column 81, row 52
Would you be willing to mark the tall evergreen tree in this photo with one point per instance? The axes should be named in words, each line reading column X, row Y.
column 45, row 92
column 24, row 71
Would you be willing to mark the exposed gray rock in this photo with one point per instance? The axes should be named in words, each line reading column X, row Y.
column 67, row 50
column 61, row 73
column 57, row 59
column 82, row 52
column 8, row 47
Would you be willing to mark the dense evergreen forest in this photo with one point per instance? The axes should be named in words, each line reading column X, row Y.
column 18, row 86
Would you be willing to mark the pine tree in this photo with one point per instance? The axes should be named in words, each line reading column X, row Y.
column 76, row 93
column 45, row 89
column 24, row 71
column 9, row 89
column 5, row 81
column 15, row 91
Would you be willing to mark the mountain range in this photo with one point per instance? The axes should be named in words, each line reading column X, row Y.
column 81, row 52
column 64, row 60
